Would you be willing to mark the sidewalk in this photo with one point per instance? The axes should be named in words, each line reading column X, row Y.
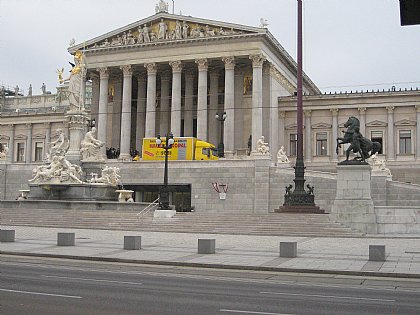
column 315, row 254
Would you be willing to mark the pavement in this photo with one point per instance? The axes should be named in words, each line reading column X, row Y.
column 328, row 255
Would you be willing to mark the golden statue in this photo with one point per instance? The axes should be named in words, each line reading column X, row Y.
column 75, row 81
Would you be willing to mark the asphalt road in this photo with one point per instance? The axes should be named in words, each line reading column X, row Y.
column 56, row 286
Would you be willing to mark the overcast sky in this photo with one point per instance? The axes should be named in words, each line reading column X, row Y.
column 348, row 44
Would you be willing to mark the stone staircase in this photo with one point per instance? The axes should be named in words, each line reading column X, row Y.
column 289, row 224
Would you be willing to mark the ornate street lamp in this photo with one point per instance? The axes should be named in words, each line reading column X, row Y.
column 300, row 200
column 221, row 146
column 164, row 191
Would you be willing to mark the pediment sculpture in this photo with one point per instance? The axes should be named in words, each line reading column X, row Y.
column 165, row 30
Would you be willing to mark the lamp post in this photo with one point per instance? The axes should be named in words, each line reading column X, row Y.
column 300, row 200
column 163, row 191
column 221, row 146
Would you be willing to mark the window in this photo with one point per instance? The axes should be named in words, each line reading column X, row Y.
column 405, row 141
column 20, row 152
column 293, row 144
column 377, row 136
column 321, row 143
column 39, row 151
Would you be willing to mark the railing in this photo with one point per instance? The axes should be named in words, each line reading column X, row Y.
column 148, row 208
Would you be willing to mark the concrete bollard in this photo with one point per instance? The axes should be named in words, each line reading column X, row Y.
column 288, row 249
column 132, row 242
column 7, row 235
column 206, row 246
column 65, row 239
column 376, row 252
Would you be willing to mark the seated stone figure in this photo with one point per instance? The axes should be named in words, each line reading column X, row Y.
column 90, row 147
column 59, row 146
column 4, row 150
column 282, row 157
column 262, row 147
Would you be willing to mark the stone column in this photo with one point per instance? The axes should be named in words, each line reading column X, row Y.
column 308, row 141
column 334, row 112
column 47, row 126
column 362, row 115
column 240, row 138
column 390, row 145
column 176, row 98
column 202, row 99
column 282, row 119
column 76, row 122
column 11, row 157
column 116, row 112
column 214, row 125
column 274, row 113
column 126, row 113
column 83, row 90
column 188, row 109
column 151, row 100
column 229, row 133
column 141, row 110
column 28, row 153
column 103, row 108
column 164, row 127
column 257, row 65
column 418, row 132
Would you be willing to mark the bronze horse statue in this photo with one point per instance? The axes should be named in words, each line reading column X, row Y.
column 358, row 144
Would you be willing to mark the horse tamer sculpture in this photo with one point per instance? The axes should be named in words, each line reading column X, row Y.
column 358, row 144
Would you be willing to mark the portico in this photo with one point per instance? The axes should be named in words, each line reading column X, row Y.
column 178, row 81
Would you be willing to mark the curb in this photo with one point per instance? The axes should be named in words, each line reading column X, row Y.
column 220, row 266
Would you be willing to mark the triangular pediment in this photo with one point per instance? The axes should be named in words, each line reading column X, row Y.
column 292, row 127
column 165, row 27
column 21, row 137
column 376, row 123
column 405, row 122
column 38, row 136
column 321, row 125
column 4, row 137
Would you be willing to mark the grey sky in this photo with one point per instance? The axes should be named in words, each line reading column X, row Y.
column 348, row 44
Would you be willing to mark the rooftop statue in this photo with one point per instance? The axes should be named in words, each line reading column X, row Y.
column 162, row 6
column 360, row 145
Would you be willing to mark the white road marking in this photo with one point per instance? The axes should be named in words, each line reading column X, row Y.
column 251, row 312
column 90, row 279
column 327, row 296
column 40, row 293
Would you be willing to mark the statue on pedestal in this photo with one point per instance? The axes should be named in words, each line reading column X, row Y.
column 90, row 147
column 59, row 146
column 75, row 81
column 358, row 144
column 262, row 147
column 282, row 157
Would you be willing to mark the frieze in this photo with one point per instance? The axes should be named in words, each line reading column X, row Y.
column 165, row 30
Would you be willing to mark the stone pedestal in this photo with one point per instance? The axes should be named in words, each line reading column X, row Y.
column 353, row 205
column 77, row 121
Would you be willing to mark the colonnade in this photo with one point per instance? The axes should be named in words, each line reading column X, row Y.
column 170, row 117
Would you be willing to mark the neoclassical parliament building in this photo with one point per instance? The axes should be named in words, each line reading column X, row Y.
column 174, row 73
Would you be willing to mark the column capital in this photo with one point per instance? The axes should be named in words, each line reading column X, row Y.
column 202, row 64
column 229, row 62
column 307, row 112
column 176, row 65
column 127, row 70
column 390, row 109
column 28, row 125
column 362, row 110
column 283, row 114
column 417, row 108
column 257, row 60
column 47, row 124
column 103, row 72
column 151, row 68
column 334, row 111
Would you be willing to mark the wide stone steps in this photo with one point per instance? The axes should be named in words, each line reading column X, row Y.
column 194, row 222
